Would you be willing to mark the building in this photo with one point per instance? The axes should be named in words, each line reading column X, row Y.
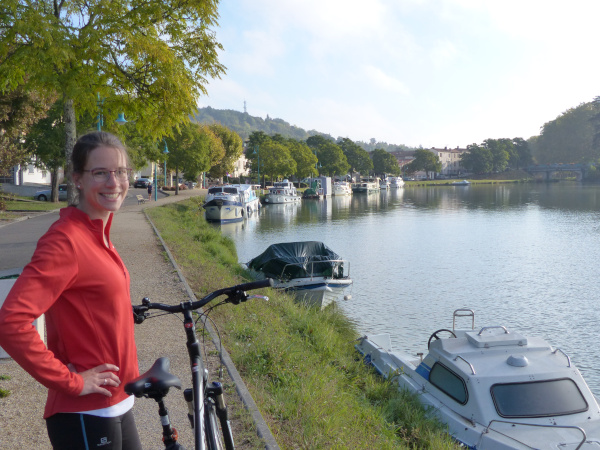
column 450, row 159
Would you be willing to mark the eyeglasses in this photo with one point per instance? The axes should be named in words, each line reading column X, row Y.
column 121, row 174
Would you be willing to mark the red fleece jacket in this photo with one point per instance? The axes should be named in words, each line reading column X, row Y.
column 83, row 288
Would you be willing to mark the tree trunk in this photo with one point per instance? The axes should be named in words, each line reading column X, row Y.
column 71, row 135
column 54, row 175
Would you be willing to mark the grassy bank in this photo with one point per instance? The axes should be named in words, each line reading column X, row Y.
column 299, row 363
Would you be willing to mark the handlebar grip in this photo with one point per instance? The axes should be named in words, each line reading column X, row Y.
column 267, row 282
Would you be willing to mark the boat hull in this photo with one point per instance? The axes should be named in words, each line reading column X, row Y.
column 275, row 199
column 224, row 211
column 317, row 292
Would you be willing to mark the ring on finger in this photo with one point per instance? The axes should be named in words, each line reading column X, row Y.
column 104, row 382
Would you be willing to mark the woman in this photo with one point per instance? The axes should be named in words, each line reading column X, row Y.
column 149, row 190
column 77, row 279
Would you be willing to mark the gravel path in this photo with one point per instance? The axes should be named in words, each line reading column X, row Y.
column 153, row 276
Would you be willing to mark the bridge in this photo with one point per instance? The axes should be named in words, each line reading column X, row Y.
column 580, row 170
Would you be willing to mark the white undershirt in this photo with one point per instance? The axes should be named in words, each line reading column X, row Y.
column 112, row 411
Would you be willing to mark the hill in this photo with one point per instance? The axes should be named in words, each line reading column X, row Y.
column 244, row 124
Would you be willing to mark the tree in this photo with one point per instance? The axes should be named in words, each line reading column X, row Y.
column 358, row 158
column 190, row 150
column 232, row 144
column 521, row 155
column 19, row 110
column 477, row 159
column 500, row 150
column 332, row 159
column 127, row 54
column 45, row 142
column 305, row 159
column 276, row 160
column 385, row 163
column 424, row 160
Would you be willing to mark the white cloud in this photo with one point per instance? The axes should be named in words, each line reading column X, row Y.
column 385, row 81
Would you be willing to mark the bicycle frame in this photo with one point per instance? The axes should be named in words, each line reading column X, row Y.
column 156, row 382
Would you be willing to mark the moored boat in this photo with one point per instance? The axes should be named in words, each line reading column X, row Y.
column 366, row 185
column 230, row 203
column 310, row 270
column 461, row 183
column 396, row 182
column 495, row 388
column 384, row 183
column 342, row 188
column 282, row 192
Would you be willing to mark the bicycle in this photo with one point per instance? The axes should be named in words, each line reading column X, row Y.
column 209, row 411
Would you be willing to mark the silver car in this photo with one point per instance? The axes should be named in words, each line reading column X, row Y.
column 46, row 195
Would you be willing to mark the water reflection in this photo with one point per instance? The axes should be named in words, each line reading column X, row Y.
column 520, row 255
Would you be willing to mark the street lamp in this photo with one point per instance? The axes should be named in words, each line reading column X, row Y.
column 100, row 117
column 165, row 152
column 257, row 151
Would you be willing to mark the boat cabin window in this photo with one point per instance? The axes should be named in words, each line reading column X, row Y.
column 449, row 383
column 231, row 190
column 214, row 190
column 538, row 398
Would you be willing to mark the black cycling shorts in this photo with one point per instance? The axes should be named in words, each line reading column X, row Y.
column 74, row 431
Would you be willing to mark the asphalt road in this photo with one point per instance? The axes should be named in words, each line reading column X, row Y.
column 19, row 239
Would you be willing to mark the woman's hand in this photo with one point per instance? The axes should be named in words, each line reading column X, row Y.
column 94, row 379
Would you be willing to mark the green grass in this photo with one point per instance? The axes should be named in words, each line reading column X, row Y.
column 299, row 363
column 4, row 392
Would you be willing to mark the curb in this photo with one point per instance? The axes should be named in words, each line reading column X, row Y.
column 262, row 429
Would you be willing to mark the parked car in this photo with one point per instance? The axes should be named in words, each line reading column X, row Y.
column 46, row 194
column 141, row 183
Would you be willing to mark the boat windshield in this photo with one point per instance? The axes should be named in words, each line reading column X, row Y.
column 538, row 398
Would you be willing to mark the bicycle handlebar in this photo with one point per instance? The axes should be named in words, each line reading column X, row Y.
column 235, row 294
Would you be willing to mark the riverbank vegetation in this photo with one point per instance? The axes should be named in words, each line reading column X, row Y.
column 299, row 363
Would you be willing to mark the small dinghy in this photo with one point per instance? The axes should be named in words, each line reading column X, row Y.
column 494, row 388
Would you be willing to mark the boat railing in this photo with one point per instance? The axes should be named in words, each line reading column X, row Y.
column 470, row 365
column 463, row 312
column 345, row 268
column 567, row 356
column 572, row 427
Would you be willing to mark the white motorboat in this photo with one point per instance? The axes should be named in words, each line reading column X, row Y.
column 230, row 203
column 366, row 185
column 396, row 182
column 310, row 270
column 282, row 192
column 461, row 183
column 384, row 183
column 342, row 188
column 495, row 388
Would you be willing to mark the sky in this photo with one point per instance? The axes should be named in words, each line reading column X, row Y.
column 431, row 73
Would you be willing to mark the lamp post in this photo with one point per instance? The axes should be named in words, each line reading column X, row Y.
column 257, row 151
column 100, row 118
column 165, row 152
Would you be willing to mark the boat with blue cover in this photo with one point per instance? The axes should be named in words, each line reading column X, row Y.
column 310, row 270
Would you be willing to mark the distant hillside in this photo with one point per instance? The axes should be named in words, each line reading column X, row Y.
column 244, row 124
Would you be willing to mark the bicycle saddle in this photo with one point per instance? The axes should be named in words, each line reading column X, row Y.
column 155, row 383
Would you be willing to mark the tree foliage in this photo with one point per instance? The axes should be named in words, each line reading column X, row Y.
column 424, row 160
column 332, row 160
column 358, row 158
column 477, row 159
column 19, row 110
column 232, row 146
column 385, row 163
column 150, row 59
column 276, row 160
column 45, row 141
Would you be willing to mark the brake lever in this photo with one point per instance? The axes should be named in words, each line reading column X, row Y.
column 260, row 297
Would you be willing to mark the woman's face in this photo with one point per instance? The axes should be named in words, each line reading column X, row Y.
column 99, row 196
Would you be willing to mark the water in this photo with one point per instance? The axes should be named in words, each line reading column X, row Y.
column 523, row 256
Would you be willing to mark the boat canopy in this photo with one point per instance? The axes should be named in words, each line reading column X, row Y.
column 289, row 260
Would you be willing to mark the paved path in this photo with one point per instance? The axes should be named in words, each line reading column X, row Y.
column 152, row 275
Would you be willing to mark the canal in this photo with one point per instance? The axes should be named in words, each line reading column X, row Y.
column 520, row 255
